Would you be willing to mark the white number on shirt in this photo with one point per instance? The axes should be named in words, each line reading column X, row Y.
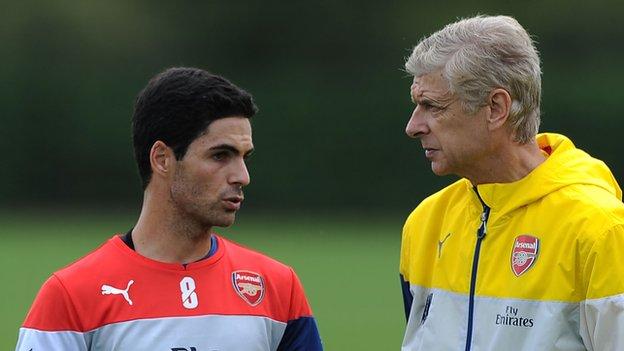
column 189, row 297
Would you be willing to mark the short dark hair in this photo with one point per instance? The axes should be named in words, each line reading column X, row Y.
column 177, row 105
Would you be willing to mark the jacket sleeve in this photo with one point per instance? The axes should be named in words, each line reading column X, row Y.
column 52, row 323
column 602, row 312
column 301, row 332
column 408, row 298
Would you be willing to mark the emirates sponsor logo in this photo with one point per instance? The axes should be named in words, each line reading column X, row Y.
column 524, row 254
column 249, row 286
column 513, row 319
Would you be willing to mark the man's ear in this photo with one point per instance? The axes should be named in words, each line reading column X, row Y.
column 162, row 159
column 500, row 105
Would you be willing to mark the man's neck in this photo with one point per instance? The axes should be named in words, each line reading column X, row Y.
column 164, row 236
column 510, row 162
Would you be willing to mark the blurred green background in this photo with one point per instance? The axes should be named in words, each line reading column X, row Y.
column 333, row 175
column 349, row 270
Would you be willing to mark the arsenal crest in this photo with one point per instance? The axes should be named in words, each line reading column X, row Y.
column 524, row 253
column 249, row 286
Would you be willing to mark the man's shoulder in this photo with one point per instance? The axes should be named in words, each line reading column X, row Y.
column 84, row 266
column 64, row 295
column 244, row 256
column 595, row 209
column 459, row 188
column 450, row 195
column 592, row 197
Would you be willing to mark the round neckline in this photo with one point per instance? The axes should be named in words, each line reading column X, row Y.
column 118, row 242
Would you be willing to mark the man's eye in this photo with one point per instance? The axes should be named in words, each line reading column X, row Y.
column 430, row 107
column 220, row 156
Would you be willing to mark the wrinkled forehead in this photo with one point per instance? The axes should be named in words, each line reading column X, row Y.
column 431, row 85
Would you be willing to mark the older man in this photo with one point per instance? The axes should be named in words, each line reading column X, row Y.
column 526, row 251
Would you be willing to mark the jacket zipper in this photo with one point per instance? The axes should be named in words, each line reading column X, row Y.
column 475, row 263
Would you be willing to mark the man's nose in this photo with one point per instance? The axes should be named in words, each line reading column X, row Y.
column 240, row 174
column 416, row 126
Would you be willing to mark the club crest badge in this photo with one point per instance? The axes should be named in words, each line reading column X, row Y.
column 249, row 286
column 524, row 254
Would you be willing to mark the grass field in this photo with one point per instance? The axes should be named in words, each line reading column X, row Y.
column 348, row 266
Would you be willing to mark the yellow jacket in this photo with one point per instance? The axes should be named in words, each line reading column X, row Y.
column 546, row 274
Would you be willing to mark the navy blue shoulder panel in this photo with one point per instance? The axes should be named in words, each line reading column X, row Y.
column 301, row 334
column 407, row 296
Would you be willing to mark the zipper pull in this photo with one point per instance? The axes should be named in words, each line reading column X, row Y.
column 484, row 217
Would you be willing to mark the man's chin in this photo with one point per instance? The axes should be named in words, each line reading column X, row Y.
column 439, row 169
column 225, row 221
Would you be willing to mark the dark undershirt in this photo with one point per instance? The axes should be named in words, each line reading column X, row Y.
column 127, row 239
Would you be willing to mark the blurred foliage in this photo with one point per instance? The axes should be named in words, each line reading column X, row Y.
column 327, row 76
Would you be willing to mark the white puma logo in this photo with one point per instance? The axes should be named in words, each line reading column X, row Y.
column 109, row 290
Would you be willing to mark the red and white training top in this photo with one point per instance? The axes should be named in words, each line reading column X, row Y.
column 116, row 299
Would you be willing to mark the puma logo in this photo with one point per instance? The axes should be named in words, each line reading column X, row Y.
column 440, row 243
column 110, row 290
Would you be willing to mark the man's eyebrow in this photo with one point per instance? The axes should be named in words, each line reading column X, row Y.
column 228, row 147
column 225, row 147
column 422, row 99
column 427, row 101
column 439, row 101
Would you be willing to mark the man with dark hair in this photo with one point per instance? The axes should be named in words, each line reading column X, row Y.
column 526, row 251
column 170, row 283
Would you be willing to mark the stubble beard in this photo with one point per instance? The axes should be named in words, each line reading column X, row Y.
column 196, row 210
column 197, row 217
column 215, row 216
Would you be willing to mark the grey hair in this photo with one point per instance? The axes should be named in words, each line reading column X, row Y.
column 478, row 54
